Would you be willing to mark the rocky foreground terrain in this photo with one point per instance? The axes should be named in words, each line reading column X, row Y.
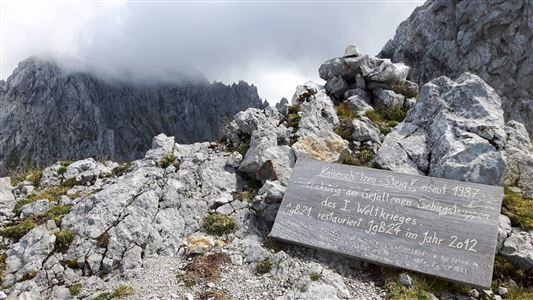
column 48, row 113
column 489, row 38
column 190, row 221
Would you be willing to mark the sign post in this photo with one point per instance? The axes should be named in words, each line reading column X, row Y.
column 435, row 226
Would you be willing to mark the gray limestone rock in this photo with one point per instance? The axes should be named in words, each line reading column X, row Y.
column 351, row 50
column 336, row 87
column 504, row 230
column 519, row 157
column 7, row 199
column 456, row 131
column 489, row 38
column 35, row 208
column 518, row 248
column 387, row 100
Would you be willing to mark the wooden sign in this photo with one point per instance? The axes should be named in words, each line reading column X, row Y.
column 430, row 225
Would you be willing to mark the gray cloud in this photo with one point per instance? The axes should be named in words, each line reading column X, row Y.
column 274, row 45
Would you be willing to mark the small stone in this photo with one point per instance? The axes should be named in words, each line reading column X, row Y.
column 488, row 293
column 351, row 51
column 2, row 295
column 497, row 297
column 234, row 160
column 405, row 280
column 236, row 259
column 199, row 244
column 502, row 291
column 512, row 283
column 474, row 293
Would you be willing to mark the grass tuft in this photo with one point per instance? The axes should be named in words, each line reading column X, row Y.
column 120, row 169
column 169, row 159
column 315, row 276
column 75, row 289
column 263, row 266
column 63, row 240
column 519, row 209
column 344, row 112
column 218, row 224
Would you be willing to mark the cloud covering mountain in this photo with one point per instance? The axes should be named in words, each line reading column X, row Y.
column 275, row 45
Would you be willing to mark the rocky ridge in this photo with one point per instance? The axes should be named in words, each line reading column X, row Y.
column 85, row 228
column 491, row 39
column 48, row 113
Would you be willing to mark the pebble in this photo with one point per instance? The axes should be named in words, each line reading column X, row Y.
column 405, row 280
column 502, row 291
column 474, row 293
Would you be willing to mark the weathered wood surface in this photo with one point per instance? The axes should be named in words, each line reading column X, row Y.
column 431, row 225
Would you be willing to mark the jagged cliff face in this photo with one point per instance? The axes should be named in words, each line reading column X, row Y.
column 492, row 39
column 47, row 114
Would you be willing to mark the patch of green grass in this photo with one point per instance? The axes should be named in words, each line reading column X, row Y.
column 243, row 147
column 63, row 240
column 422, row 286
column 65, row 163
column 519, row 209
column 18, row 230
column 51, row 194
column 104, row 296
column 344, row 129
column 344, row 112
column 263, row 266
column 28, row 276
column 245, row 196
column 122, row 291
column 56, row 213
column 217, row 224
column 3, row 258
column 315, row 276
column 120, row 169
column 69, row 183
column 169, row 159
column 62, row 170
column 518, row 293
column 32, row 175
column 294, row 109
column 362, row 158
column 75, row 289
column 503, row 268
column 385, row 120
column 293, row 121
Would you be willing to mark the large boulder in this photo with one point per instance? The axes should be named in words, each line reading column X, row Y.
column 456, row 130
column 316, row 137
column 489, row 38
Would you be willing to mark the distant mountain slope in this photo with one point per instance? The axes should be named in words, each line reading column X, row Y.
column 492, row 39
column 47, row 114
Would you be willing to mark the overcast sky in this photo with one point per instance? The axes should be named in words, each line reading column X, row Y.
column 275, row 45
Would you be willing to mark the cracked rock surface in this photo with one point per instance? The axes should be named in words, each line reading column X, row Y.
column 491, row 39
